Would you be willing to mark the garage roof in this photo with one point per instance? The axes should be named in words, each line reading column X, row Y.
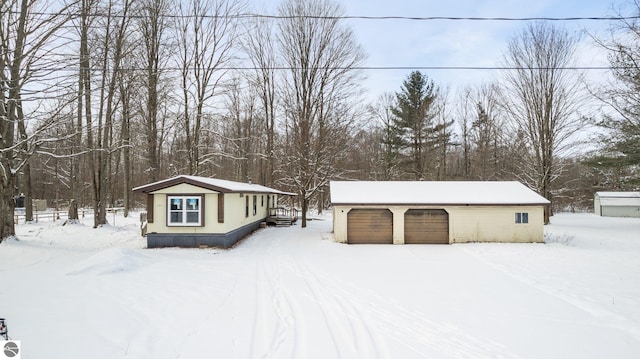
column 434, row 192
column 622, row 199
column 215, row 184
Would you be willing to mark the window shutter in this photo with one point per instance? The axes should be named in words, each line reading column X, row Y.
column 149, row 208
column 220, row 207
column 202, row 208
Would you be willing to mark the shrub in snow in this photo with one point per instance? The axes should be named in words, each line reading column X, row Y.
column 564, row 239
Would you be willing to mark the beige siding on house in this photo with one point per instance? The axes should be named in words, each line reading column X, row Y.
column 234, row 207
column 235, row 210
column 466, row 223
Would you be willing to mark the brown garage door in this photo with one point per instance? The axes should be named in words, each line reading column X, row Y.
column 426, row 226
column 370, row 226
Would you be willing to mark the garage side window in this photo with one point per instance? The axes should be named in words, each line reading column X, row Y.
column 184, row 210
column 522, row 217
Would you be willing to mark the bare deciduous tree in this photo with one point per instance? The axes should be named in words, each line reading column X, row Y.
column 321, row 55
column 27, row 36
column 443, row 135
column 83, row 99
column 153, row 27
column 240, row 130
column 206, row 37
column 382, row 112
column 116, row 26
column 543, row 101
column 259, row 45
column 482, row 126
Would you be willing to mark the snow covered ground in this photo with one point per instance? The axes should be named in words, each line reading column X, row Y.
column 77, row 292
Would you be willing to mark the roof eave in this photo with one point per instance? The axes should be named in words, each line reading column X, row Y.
column 156, row 186
column 440, row 204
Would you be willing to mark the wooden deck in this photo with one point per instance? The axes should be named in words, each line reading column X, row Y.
column 282, row 217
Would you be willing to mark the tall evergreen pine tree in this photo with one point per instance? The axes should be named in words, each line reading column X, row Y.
column 414, row 122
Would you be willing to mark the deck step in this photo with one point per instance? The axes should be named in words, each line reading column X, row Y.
column 283, row 223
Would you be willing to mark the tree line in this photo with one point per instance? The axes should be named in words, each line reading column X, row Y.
column 99, row 96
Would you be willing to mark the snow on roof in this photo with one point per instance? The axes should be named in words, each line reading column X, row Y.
column 433, row 192
column 619, row 194
column 621, row 199
column 212, row 183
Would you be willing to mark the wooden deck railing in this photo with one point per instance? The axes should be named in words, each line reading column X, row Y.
column 281, row 212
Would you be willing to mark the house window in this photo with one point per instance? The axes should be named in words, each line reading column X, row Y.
column 184, row 210
column 246, row 206
column 522, row 217
column 255, row 204
column 262, row 201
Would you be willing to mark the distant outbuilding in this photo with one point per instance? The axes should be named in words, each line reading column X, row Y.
column 617, row 204
column 436, row 212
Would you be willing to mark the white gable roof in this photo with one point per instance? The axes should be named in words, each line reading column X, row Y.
column 232, row 185
column 210, row 183
column 433, row 192
column 619, row 194
column 623, row 199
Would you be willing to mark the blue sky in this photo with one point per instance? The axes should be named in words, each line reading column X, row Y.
column 460, row 43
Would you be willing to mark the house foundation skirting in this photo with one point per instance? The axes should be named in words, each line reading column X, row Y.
column 193, row 240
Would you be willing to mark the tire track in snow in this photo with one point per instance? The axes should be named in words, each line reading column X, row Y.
column 359, row 321
column 285, row 335
column 424, row 336
column 339, row 314
column 316, row 297
column 290, row 312
column 597, row 311
column 266, row 340
column 258, row 340
column 293, row 287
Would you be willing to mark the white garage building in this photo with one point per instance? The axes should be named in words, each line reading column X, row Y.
column 617, row 204
column 424, row 212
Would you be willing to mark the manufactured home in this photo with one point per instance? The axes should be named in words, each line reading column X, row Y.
column 192, row 211
column 436, row 212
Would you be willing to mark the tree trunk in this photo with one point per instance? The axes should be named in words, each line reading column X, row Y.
column 152, row 26
column 26, row 171
column 98, row 155
column 11, row 63
column 305, row 206
column 320, row 201
column 7, row 228
column 73, row 211
column 76, row 181
column 83, row 91
column 28, row 192
column 126, row 150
